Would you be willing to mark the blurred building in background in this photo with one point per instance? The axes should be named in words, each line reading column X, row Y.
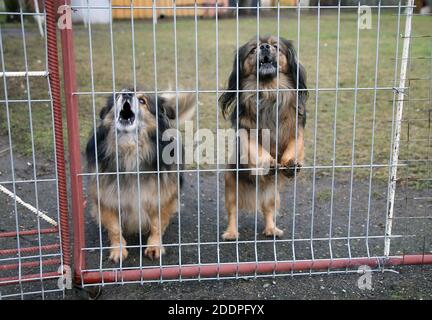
column 184, row 7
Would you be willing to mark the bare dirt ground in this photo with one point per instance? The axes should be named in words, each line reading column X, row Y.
column 402, row 283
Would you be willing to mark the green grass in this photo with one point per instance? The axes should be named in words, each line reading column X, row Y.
column 327, row 101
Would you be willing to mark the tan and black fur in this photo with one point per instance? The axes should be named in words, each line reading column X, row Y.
column 275, row 57
column 134, row 120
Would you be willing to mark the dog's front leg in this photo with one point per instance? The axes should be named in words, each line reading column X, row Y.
column 154, row 247
column 252, row 153
column 110, row 221
column 270, row 204
column 292, row 156
column 255, row 156
column 231, row 233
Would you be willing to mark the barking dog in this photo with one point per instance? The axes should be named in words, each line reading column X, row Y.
column 129, row 138
column 270, row 69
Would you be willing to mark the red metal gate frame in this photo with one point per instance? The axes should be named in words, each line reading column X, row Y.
column 173, row 272
column 63, row 228
column 77, row 199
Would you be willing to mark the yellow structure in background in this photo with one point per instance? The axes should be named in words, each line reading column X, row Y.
column 288, row 2
column 148, row 13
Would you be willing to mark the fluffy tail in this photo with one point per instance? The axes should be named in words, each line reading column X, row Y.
column 184, row 103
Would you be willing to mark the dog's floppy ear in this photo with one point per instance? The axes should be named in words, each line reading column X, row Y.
column 227, row 99
column 298, row 80
column 109, row 104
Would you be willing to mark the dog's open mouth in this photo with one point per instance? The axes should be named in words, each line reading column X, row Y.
column 267, row 67
column 126, row 115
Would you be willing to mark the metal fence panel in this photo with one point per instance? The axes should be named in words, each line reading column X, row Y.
column 35, row 256
column 361, row 198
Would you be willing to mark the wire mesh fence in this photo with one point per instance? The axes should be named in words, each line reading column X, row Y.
column 334, row 211
column 349, row 186
column 32, row 186
column 414, row 178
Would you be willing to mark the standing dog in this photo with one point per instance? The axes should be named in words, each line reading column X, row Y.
column 137, row 122
column 261, row 67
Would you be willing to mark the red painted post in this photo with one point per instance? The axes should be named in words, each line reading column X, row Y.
column 69, row 76
column 54, row 80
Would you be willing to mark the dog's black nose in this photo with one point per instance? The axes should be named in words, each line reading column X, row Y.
column 265, row 46
column 264, row 50
column 127, row 95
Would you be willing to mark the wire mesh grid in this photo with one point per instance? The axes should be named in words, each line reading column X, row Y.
column 334, row 209
column 31, row 261
column 414, row 178
column 335, row 212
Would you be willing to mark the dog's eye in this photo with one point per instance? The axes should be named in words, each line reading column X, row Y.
column 253, row 50
column 275, row 46
column 141, row 100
